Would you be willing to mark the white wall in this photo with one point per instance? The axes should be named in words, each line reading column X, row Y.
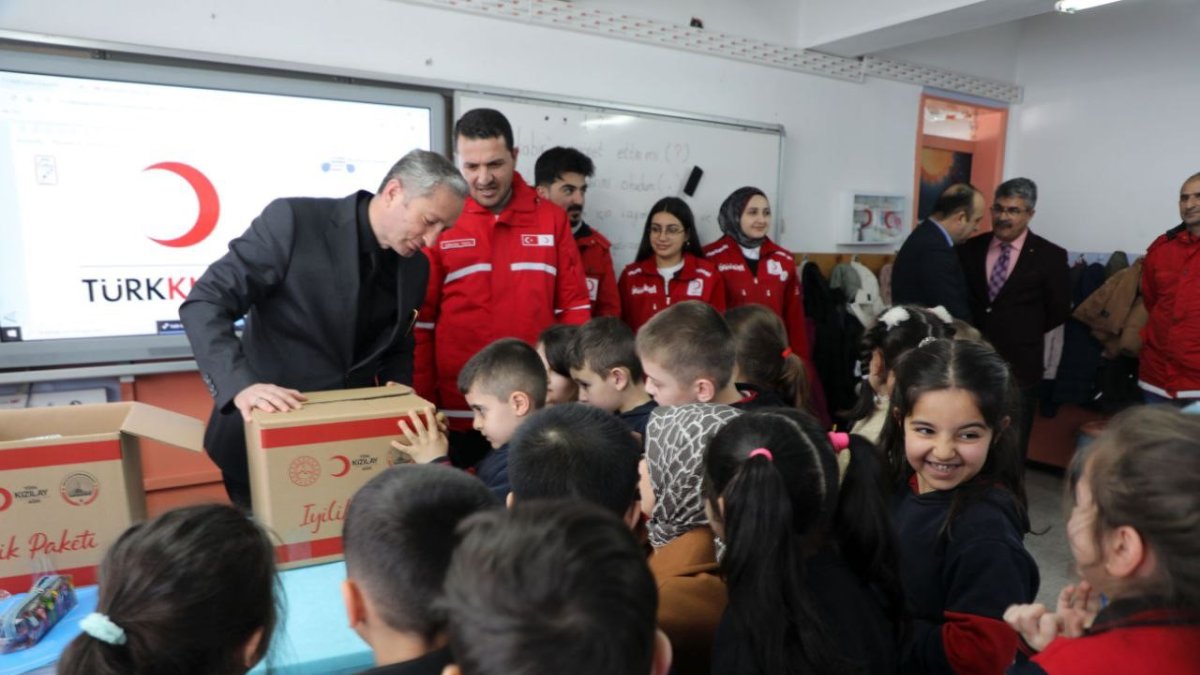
column 986, row 52
column 1110, row 125
column 840, row 135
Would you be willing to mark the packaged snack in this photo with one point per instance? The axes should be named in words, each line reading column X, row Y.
column 28, row 620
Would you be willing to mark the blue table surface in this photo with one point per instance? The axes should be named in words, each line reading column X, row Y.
column 313, row 637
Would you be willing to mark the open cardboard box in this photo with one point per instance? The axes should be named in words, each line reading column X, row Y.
column 306, row 464
column 71, row 483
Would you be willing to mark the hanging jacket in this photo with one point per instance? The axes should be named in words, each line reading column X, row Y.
column 1107, row 310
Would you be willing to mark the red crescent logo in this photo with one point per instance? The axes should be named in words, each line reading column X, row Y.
column 210, row 205
column 5, row 499
column 345, row 466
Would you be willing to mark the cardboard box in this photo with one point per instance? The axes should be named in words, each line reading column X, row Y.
column 306, row 464
column 71, row 483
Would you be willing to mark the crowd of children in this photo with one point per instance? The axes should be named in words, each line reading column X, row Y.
column 674, row 507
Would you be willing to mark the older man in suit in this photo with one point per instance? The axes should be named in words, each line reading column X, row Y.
column 330, row 289
column 926, row 271
column 1019, row 288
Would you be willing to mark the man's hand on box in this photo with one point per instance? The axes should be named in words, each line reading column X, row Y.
column 424, row 439
column 267, row 397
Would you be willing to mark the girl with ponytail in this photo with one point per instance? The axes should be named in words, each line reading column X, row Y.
column 810, row 561
column 190, row 592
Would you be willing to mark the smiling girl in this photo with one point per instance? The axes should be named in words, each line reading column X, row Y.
column 670, row 266
column 959, row 506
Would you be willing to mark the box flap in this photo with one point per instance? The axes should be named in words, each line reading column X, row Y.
column 172, row 428
column 52, row 426
column 325, row 406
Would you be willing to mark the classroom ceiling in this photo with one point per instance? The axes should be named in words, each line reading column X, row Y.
column 854, row 28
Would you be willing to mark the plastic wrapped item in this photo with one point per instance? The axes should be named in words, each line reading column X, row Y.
column 27, row 621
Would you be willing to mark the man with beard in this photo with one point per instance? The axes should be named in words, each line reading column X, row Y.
column 1169, row 370
column 561, row 175
column 1018, row 287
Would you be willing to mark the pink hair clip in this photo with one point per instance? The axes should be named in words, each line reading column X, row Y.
column 763, row 452
column 840, row 440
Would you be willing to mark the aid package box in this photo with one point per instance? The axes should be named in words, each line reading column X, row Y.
column 71, row 483
column 306, row 464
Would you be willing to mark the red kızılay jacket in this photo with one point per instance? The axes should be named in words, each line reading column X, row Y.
column 775, row 285
column 494, row 276
column 1170, row 356
column 644, row 293
column 596, row 252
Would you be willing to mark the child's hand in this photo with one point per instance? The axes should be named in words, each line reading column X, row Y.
column 425, row 439
column 1037, row 626
column 1077, row 608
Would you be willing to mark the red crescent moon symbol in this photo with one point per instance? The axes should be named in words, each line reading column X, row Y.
column 345, row 466
column 210, row 205
column 5, row 499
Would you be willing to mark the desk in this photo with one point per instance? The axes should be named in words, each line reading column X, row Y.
column 312, row 636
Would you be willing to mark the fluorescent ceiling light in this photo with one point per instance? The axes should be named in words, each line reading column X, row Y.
column 1072, row 6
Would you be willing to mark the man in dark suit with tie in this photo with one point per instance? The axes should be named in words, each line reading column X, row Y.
column 329, row 288
column 927, row 272
column 1019, row 288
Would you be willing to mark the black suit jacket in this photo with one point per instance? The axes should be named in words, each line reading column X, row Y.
column 294, row 276
column 1035, row 299
column 928, row 273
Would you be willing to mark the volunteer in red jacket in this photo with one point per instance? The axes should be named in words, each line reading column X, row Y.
column 755, row 269
column 1169, row 370
column 670, row 266
column 561, row 176
column 507, row 268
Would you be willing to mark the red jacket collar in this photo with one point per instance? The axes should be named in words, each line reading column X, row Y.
column 688, row 272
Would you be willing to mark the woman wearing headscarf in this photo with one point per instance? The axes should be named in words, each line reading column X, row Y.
column 756, row 270
column 691, row 593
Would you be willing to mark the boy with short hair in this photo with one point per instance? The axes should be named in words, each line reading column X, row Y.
column 576, row 451
column 399, row 532
column 688, row 355
column 503, row 384
column 552, row 587
column 605, row 365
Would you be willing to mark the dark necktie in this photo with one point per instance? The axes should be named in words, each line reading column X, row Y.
column 999, row 272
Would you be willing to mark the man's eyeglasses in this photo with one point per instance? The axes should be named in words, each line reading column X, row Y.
column 998, row 210
column 672, row 230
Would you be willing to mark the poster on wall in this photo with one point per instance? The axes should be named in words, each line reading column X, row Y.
column 939, row 170
column 877, row 219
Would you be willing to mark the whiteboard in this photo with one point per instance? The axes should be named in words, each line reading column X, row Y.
column 641, row 157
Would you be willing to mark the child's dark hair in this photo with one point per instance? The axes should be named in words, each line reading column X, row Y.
column 678, row 208
column 575, row 451
column 507, row 365
column 690, row 340
column 553, row 163
column 894, row 332
column 1144, row 472
column 482, row 123
column 399, row 534
column 556, row 342
column 764, row 358
column 550, row 587
column 189, row 589
column 780, row 509
column 978, row 370
column 604, row 343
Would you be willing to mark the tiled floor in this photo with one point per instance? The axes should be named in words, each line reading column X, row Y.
column 1044, row 487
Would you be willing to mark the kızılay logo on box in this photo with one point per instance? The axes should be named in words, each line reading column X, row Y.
column 6, row 499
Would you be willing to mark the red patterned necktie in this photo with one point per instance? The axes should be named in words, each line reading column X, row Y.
column 999, row 272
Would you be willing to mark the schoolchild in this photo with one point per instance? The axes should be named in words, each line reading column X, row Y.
column 605, row 365
column 959, row 506
column 688, row 355
column 769, row 371
column 554, row 348
column 192, row 591
column 810, row 561
column 1134, row 532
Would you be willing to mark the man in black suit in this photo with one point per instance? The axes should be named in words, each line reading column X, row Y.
column 927, row 271
column 329, row 288
column 1019, row 289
